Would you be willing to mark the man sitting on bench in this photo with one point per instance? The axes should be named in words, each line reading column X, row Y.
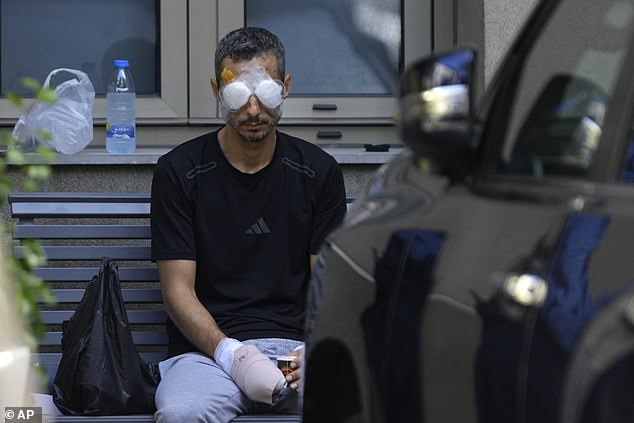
column 238, row 216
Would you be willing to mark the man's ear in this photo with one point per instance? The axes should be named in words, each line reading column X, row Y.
column 288, row 81
column 215, row 89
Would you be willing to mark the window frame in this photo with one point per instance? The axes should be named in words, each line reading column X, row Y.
column 171, row 105
column 297, row 110
column 189, row 32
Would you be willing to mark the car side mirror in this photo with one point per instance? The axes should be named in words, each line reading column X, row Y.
column 434, row 113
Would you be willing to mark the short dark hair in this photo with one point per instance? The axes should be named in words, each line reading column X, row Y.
column 243, row 44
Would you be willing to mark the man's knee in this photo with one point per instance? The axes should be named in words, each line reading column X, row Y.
column 194, row 389
column 221, row 408
column 179, row 412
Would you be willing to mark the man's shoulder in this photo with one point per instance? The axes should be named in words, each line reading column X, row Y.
column 191, row 151
column 305, row 151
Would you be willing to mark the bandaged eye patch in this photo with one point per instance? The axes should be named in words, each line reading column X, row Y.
column 236, row 94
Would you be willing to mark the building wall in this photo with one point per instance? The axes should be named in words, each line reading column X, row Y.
column 502, row 20
column 489, row 25
column 138, row 178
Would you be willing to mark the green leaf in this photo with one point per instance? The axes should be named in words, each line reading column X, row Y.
column 38, row 172
column 47, row 95
column 30, row 290
column 31, row 83
column 43, row 135
column 46, row 153
column 16, row 156
column 33, row 246
column 5, row 187
column 31, row 283
column 14, row 99
column 9, row 141
column 25, row 306
column 32, row 259
column 46, row 295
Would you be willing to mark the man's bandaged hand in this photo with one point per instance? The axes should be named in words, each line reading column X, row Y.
column 254, row 373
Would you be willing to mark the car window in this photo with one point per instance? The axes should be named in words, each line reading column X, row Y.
column 564, row 88
column 627, row 175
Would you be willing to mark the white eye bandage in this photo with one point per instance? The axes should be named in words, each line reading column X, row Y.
column 253, row 80
column 236, row 94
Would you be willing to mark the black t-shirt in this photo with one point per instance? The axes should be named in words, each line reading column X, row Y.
column 250, row 234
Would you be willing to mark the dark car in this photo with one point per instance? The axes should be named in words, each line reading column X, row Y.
column 485, row 275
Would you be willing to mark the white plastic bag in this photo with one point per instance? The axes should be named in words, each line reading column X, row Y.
column 68, row 121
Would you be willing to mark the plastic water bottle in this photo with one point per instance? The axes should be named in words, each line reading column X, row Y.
column 121, row 111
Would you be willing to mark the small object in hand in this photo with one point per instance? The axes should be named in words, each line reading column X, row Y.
column 284, row 363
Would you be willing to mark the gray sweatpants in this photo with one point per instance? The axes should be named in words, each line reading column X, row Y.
column 194, row 388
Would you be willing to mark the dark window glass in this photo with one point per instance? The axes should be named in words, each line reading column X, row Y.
column 37, row 36
column 335, row 47
column 565, row 87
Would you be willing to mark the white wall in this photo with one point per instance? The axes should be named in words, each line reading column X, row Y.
column 502, row 20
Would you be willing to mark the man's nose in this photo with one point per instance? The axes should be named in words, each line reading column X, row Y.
column 253, row 105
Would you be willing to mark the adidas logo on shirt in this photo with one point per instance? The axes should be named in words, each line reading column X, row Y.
column 258, row 228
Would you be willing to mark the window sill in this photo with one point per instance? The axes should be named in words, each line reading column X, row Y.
column 149, row 156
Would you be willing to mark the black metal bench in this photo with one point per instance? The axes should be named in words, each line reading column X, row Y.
column 77, row 230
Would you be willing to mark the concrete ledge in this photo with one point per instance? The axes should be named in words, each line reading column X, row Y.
column 145, row 156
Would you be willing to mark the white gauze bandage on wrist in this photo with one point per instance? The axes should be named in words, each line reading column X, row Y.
column 225, row 352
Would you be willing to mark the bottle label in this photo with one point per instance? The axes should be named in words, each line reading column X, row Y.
column 119, row 131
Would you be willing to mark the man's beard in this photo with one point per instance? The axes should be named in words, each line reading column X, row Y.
column 259, row 136
column 255, row 137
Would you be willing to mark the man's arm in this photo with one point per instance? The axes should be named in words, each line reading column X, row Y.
column 253, row 372
column 178, row 279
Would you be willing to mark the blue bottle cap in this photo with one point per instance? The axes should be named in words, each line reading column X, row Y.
column 121, row 64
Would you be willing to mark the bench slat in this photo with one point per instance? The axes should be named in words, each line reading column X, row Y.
column 82, row 232
column 143, row 418
column 80, row 209
column 148, row 418
column 140, row 338
column 79, row 274
column 138, row 418
column 52, row 359
column 79, row 197
column 130, row 295
column 56, row 317
column 91, row 252
column 87, row 197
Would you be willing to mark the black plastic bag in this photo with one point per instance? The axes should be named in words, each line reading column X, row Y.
column 100, row 372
